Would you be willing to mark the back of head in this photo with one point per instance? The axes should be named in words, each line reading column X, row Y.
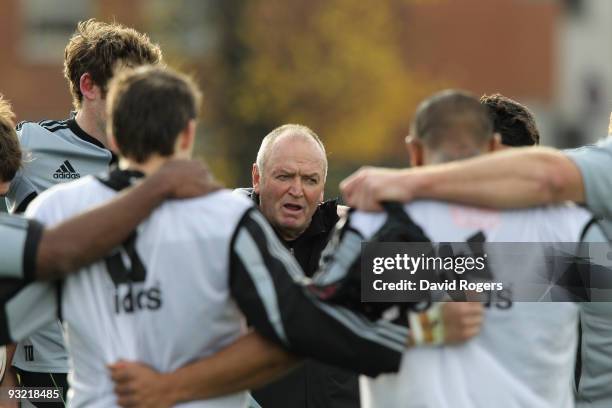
column 452, row 118
column 148, row 107
column 512, row 120
column 10, row 152
column 98, row 48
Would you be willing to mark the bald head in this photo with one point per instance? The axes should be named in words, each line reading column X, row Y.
column 291, row 132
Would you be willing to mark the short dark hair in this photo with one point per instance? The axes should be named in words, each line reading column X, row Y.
column 97, row 48
column 148, row 107
column 512, row 120
column 10, row 152
column 449, row 112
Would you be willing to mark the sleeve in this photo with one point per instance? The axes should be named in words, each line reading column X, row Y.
column 21, row 193
column 596, row 249
column 594, row 163
column 25, row 310
column 273, row 293
column 20, row 238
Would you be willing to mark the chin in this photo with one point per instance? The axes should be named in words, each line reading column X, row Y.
column 292, row 226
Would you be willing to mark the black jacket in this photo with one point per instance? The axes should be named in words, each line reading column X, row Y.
column 313, row 384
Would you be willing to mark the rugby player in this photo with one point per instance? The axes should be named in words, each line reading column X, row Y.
column 30, row 252
column 518, row 178
column 534, row 370
column 291, row 167
column 166, row 297
column 513, row 121
column 68, row 149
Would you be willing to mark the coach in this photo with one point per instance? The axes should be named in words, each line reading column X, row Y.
column 288, row 183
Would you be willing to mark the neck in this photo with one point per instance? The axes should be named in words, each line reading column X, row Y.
column 151, row 165
column 88, row 122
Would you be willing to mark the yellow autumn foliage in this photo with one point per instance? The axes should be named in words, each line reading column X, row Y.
column 337, row 66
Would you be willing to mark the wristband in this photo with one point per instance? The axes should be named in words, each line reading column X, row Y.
column 427, row 328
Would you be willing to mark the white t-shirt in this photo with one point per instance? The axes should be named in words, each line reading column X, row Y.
column 174, row 308
column 524, row 355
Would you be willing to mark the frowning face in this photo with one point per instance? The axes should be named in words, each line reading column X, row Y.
column 291, row 184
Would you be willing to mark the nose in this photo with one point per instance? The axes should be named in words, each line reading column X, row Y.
column 296, row 188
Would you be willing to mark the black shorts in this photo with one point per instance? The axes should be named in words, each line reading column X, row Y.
column 46, row 380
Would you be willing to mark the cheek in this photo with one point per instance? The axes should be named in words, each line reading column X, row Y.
column 271, row 195
column 275, row 190
column 314, row 196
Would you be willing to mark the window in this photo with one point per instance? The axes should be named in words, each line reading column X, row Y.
column 49, row 25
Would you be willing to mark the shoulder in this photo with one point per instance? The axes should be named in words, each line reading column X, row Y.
column 214, row 216
column 30, row 131
column 563, row 222
column 222, row 205
column 66, row 199
column 593, row 162
column 367, row 223
column 221, row 200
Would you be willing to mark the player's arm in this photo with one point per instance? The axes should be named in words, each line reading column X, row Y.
column 339, row 278
column 271, row 290
column 520, row 177
column 248, row 363
column 86, row 237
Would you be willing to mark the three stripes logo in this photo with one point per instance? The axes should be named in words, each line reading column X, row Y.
column 66, row 171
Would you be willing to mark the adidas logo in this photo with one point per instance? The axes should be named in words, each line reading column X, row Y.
column 66, row 171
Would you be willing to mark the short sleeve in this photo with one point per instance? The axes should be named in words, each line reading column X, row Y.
column 595, row 165
column 20, row 194
column 20, row 238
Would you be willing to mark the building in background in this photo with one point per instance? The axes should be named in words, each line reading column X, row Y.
column 584, row 72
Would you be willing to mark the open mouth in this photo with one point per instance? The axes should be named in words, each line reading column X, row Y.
column 292, row 207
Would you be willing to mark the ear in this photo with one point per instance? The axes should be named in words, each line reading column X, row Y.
column 496, row 144
column 187, row 137
column 415, row 151
column 256, row 178
column 88, row 88
column 112, row 142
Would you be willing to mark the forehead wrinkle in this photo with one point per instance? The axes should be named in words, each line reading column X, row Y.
column 293, row 169
column 294, row 162
column 285, row 139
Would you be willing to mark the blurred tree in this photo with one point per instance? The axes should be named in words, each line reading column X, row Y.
column 336, row 66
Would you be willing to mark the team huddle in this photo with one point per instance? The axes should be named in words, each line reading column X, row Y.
column 133, row 279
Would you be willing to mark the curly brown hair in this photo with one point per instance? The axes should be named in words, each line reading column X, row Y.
column 97, row 48
column 512, row 120
column 10, row 152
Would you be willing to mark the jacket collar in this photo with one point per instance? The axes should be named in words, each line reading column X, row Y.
column 323, row 219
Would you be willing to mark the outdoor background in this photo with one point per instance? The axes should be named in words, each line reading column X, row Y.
column 352, row 70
